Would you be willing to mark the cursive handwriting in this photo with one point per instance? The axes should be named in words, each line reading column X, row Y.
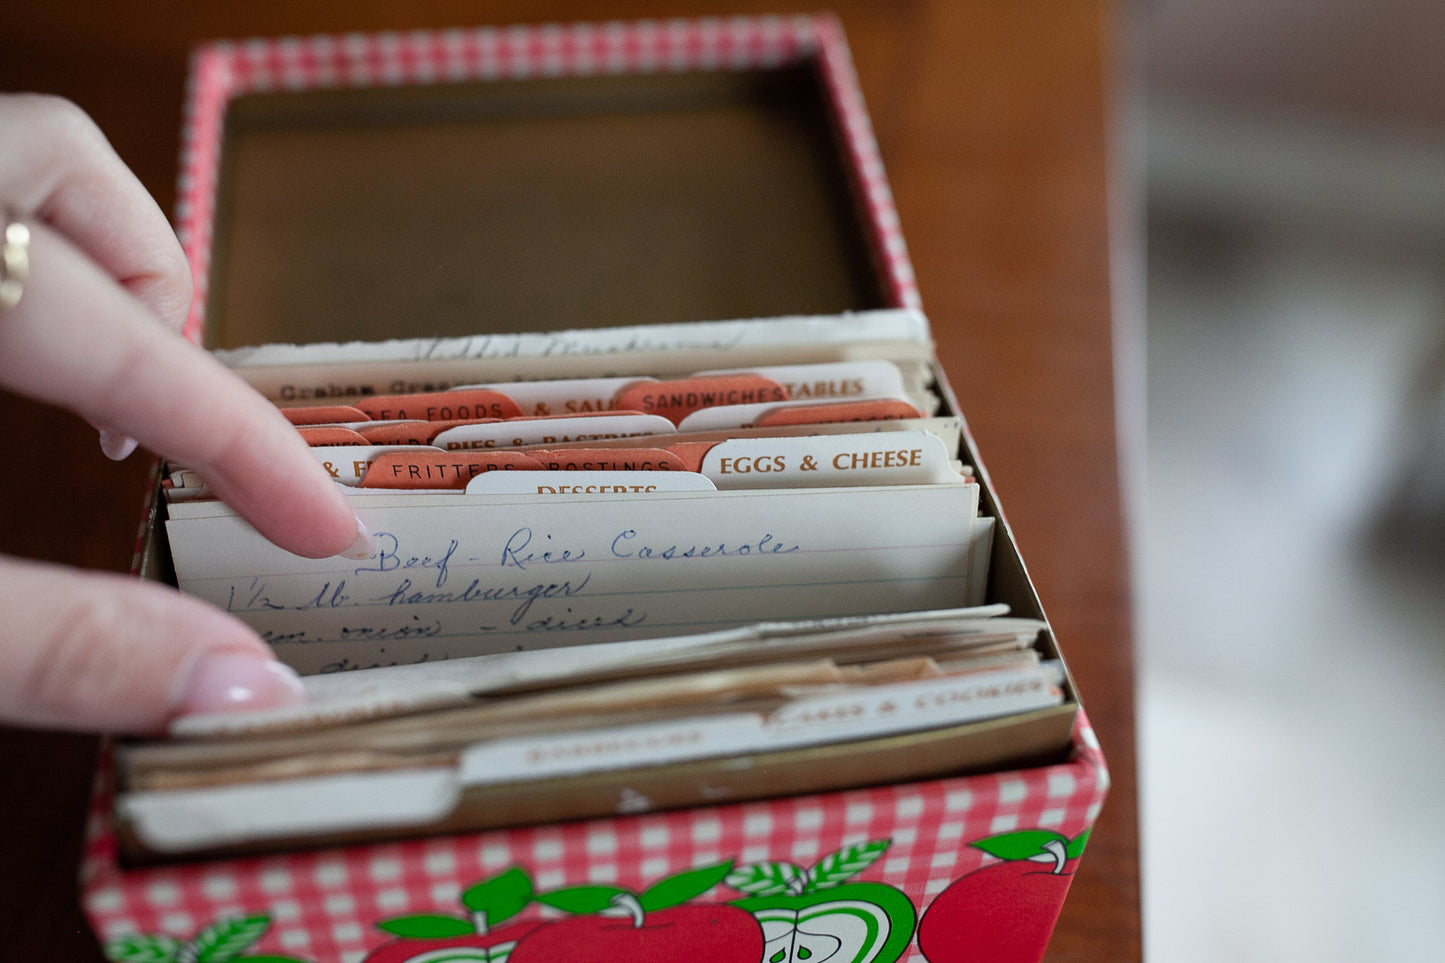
column 253, row 597
column 625, row 545
column 389, row 558
column 516, row 551
column 404, row 594
column 389, row 633
column 273, row 637
column 593, row 344
column 568, row 623
column 347, row 665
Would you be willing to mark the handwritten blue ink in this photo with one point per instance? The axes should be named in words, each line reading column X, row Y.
column 346, row 665
column 257, row 599
column 390, row 557
column 328, row 597
column 526, row 596
column 389, row 633
column 557, row 623
column 512, row 553
column 623, row 547
column 273, row 637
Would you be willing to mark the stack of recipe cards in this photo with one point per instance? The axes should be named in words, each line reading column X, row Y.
column 616, row 570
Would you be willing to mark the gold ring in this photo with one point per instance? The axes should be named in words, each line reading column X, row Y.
column 14, row 258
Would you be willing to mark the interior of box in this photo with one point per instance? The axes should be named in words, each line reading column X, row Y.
column 545, row 204
column 541, row 204
column 535, row 204
column 454, row 209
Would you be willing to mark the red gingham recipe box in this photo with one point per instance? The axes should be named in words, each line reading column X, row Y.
column 967, row 868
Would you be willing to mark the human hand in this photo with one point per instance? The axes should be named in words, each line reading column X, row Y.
column 96, row 330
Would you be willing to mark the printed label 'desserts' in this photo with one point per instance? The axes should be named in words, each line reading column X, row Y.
column 589, row 483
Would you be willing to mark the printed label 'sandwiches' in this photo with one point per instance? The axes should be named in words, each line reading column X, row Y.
column 675, row 400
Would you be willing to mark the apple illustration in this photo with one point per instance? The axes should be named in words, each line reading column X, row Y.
column 818, row 915
column 1005, row 912
column 223, row 940
column 650, row 927
column 438, row 938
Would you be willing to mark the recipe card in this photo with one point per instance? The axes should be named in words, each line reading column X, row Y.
column 457, row 574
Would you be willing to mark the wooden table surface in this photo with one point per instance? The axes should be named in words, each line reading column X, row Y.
column 994, row 122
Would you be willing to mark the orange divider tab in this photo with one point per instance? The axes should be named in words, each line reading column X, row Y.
column 877, row 409
column 675, row 400
column 330, row 435
column 608, row 459
column 414, row 432
column 467, row 404
column 692, row 452
column 441, row 469
column 324, row 415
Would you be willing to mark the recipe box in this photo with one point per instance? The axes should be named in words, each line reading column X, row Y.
column 627, row 174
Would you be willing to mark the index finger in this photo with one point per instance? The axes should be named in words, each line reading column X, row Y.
column 77, row 340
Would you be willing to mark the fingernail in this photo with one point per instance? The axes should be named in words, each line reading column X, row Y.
column 364, row 546
column 235, row 681
column 115, row 445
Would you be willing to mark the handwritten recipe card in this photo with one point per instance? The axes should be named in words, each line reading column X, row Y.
column 750, row 547
column 462, row 575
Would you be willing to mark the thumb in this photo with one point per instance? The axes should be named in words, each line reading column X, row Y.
column 80, row 650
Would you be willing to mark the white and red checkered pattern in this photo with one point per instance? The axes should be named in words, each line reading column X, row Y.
column 222, row 71
column 323, row 905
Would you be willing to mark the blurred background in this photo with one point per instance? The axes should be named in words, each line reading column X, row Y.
column 1291, row 544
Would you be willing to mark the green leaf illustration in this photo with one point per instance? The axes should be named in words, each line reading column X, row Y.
column 837, row 868
column 501, row 897
column 768, row 879
column 1075, row 849
column 139, row 948
column 581, row 899
column 226, row 939
column 683, row 886
column 1024, row 844
column 426, row 926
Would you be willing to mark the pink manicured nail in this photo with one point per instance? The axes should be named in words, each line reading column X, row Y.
column 364, row 546
column 234, row 681
column 115, row 445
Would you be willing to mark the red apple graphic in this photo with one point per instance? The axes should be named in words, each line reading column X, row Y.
column 821, row 915
column 1003, row 913
column 438, row 938
column 493, row 946
column 647, row 928
column 225, row 939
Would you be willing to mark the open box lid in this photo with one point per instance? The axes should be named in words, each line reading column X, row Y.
column 497, row 181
